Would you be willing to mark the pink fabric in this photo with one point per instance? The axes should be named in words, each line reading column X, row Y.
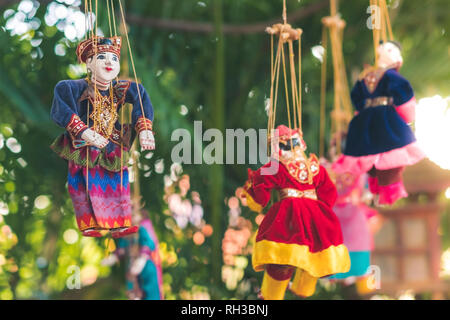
column 355, row 227
column 371, row 213
column 407, row 110
column 391, row 193
column 405, row 156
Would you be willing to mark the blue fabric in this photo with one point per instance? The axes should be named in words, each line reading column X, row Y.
column 379, row 129
column 111, row 179
column 148, row 279
column 145, row 239
column 360, row 262
column 66, row 102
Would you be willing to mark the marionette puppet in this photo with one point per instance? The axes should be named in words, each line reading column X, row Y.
column 380, row 140
column 96, row 144
column 358, row 222
column 144, row 272
column 300, row 233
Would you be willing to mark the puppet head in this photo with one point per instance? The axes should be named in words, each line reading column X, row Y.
column 290, row 143
column 389, row 53
column 102, row 58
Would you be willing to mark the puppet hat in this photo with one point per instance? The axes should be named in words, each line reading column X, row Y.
column 91, row 46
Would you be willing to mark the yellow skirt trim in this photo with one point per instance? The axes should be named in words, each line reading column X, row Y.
column 334, row 259
column 252, row 204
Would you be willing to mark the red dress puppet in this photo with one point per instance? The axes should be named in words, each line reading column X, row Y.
column 300, row 232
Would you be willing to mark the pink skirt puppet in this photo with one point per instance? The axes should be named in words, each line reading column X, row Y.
column 355, row 218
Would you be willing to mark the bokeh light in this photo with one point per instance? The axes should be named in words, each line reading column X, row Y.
column 42, row 202
column 433, row 129
column 70, row 236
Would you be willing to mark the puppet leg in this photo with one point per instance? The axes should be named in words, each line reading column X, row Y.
column 391, row 185
column 304, row 284
column 81, row 203
column 275, row 281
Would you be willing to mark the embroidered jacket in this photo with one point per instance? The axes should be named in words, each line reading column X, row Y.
column 69, row 110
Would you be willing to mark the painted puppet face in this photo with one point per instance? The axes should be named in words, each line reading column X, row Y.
column 389, row 54
column 293, row 148
column 105, row 66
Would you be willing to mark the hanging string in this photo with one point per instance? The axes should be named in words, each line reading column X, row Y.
column 132, row 62
column 275, row 81
column 300, row 93
column 323, row 88
column 375, row 31
column 114, row 17
column 269, row 111
column 286, row 34
column 109, row 18
column 293, row 83
column 286, row 87
column 385, row 11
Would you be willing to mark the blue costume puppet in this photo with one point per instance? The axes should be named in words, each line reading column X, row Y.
column 144, row 272
column 96, row 141
column 380, row 140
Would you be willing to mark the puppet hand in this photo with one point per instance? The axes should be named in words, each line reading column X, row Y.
column 109, row 260
column 138, row 265
column 94, row 138
column 147, row 140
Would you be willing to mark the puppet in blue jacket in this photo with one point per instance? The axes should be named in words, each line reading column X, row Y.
column 380, row 140
column 96, row 144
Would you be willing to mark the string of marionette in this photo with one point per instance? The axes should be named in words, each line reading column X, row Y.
column 286, row 36
column 333, row 27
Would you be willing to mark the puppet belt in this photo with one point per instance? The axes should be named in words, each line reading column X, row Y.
column 379, row 101
column 294, row 193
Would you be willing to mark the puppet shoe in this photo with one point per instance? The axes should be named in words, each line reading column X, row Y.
column 272, row 289
column 92, row 233
column 303, row 285
column 122, row 232
column 391, row 193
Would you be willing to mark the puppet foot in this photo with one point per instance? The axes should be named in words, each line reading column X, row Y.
column 391, row 193
column 272, row 289
column 122, row 232
column 92, row 233
column 304, row 284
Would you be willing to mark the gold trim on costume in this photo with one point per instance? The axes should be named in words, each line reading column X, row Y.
column 251, row 203
column 379, row 101
column 334, row 259
column 294, row 193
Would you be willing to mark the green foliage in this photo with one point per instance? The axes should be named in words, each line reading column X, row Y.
column 177, row 69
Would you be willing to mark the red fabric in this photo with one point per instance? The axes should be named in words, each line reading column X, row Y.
column 301, row 221
column 279, row 272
